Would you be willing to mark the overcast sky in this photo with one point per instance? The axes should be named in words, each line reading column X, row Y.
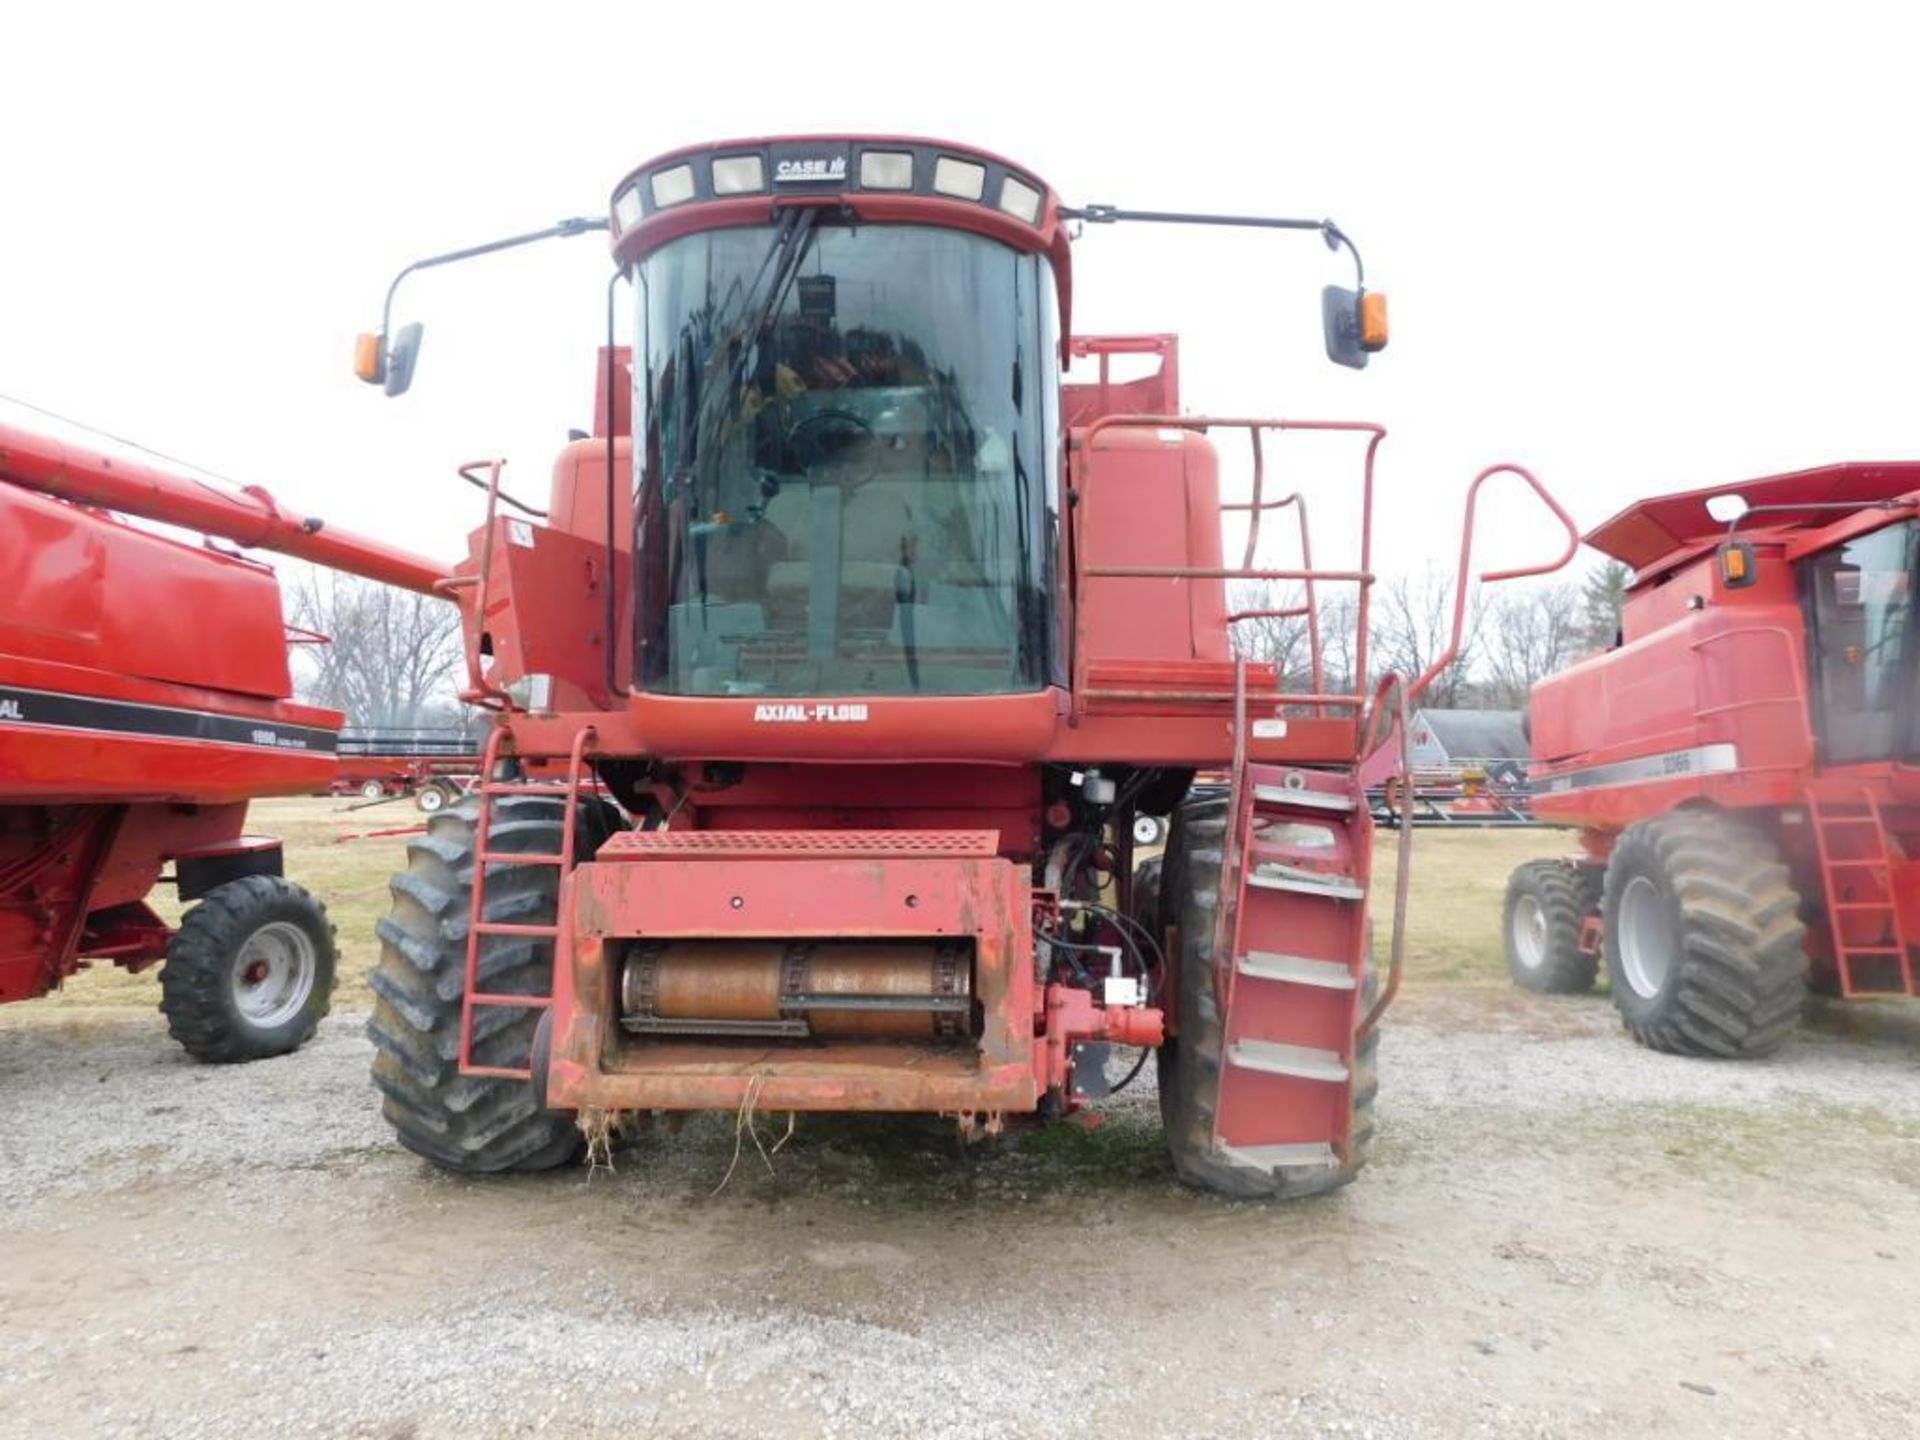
column 1633, row 248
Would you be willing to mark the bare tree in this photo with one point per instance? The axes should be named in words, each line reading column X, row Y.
column 1287, row 641
column 1412, row 623
column 1527, row 636
column 392, row 652
column 1339, row 636
column 1279, row 640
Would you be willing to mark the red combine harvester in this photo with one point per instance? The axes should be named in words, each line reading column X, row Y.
column 144, row 699
column 1744, row 765
column 885, row 637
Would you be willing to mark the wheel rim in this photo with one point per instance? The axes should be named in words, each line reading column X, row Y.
column 431, row 799
column 273, row 973
column 372, row 790
column 1646, row 937
column 1530, row 932
column 1146, row 830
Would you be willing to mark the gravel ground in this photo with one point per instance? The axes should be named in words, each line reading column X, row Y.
column 1561, row 1234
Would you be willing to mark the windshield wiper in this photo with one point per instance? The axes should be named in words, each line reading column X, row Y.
column 790, row 244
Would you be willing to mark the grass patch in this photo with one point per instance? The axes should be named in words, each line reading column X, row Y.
column 1459, row 889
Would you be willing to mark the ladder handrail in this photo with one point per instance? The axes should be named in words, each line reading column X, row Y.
column 1403, row 868
column 560, row 929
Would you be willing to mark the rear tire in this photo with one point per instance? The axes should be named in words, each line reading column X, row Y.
column 1188, row 893
column 431, row 799
column 1547, row 904
column 473, row 1124
column 250, row 972
column 1704, row 944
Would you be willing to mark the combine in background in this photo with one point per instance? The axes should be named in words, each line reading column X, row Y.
column 436, row 766
column 1743, row 767
column 144, row 700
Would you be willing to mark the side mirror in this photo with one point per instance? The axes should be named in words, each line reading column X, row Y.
column 1355, row 322
column 389, row 366
column 401, row 354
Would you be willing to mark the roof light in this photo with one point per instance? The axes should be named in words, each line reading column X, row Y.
column 626, row 208
column 961, row 178
column 886, row 170
column 1019, row 200
column 1727, row 508
column 739, row 175
column 672, row 187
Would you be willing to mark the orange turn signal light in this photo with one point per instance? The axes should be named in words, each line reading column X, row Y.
column 1373, row 321
column 1736, row 564
column 369, row 359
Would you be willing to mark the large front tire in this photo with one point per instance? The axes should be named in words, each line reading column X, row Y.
column 1188, row 893
column 474, row 1124
column 250, row 972
column 1704, row 943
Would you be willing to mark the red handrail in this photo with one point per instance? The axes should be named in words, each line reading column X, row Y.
column 480, row 690
column 1492, row 577
column 1307, row 573
column 1403, row 870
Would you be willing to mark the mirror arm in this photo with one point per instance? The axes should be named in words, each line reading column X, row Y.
column 578, row 225
column 1335, row 237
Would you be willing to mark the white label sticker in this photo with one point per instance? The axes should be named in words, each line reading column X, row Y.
column 1269, row 729
column 519, row 532
column 795, row 714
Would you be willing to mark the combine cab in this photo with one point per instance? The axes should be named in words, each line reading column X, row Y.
column 886, row 637
column 1743, row 766
column 144, row 700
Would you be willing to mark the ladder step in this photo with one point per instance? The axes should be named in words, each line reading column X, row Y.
column 1271, row 875
column 508, row 857
column 1852, row 950
column 498, row 1072
column 524, row 787
column 1275, row 1157
column 1863, row 905
column 528, row 1002
column 1303, row 799
column 1301, row 1061
column 1295, row 969
column 501, row 927
column 1871, row 862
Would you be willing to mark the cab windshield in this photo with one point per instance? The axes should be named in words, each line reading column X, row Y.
column 1866, row 646
column 843, row 486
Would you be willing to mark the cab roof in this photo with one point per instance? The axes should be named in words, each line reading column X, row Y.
column 1671, row 526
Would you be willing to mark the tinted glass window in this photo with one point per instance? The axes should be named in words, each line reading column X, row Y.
column 842, row 480
column 1866, row 657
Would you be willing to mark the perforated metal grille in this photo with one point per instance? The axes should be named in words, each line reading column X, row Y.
column 781, row 844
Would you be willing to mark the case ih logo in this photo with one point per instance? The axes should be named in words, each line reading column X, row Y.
column 809, row 714
column 813, row 170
